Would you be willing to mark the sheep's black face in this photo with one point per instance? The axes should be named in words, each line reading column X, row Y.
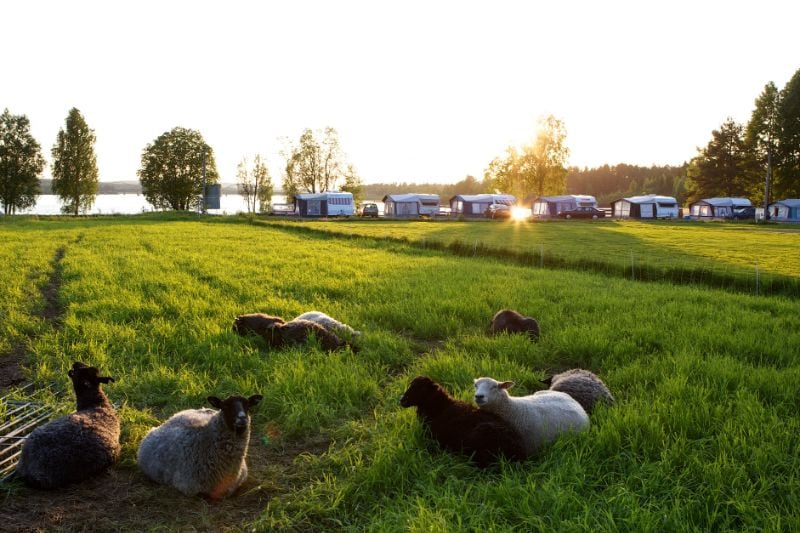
column 420, row 389
column 86, row 378
column 235, row 411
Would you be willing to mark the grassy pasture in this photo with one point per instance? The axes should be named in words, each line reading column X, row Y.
column 704, row 435
column 724, row 255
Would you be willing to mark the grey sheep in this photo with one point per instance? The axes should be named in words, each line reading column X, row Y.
column 510, row 321
column 539, row 418
column 329, row 323
column 584, row 386
column 77, row 446
column 201, row 451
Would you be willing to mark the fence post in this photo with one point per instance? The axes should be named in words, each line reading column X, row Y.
column 633, row 276
column 757, row 288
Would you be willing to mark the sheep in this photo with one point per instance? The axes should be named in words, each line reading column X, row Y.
column 297, row 332
column 461, row 427
column 539, row 418
column 77, row 446
column 511, row 321
column 329, row 323
column 201, row 451
column 584, row 386
column 257, row 323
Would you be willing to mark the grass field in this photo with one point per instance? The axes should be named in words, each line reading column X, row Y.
column 726, row 255
column 703, row 436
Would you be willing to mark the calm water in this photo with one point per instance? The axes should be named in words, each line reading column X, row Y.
column 131, row 204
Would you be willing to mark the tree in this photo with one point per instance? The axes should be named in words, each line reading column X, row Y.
column 539, row 168
column 75, row 165
column 787, row 184
column 172, row 169
column 21, row 163
column 544, row 162
column 724, row 167
column 762, row 135
column 255, row 185
column 313, row 165
column 353, row 184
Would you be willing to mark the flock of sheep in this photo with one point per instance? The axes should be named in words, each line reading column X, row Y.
column 204, row 451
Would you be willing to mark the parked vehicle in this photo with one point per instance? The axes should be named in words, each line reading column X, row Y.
column 744, row 213
column 369, row 210
column 498, row 211
column 582, row 212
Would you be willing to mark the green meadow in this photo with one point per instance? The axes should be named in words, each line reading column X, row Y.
column 742, row 256
column 703, row 437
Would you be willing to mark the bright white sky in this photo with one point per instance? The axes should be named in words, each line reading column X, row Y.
column 418, row 90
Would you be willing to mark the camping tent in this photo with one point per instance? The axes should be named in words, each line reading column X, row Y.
column 410, row 205
column 785, row 210
column 716, row 207
column 551, row 206
column 474, row 205
column 324, row 204
column 648, row 206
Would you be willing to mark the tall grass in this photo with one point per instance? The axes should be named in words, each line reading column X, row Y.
column 703, row 436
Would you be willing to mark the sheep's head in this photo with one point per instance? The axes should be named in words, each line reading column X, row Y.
column 257, row 323
column 235, row 410
column 421, row 388
column 86, row 382
column 489, row 391
column 86, row 378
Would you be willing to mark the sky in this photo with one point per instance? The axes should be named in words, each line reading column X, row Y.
column 418, row 91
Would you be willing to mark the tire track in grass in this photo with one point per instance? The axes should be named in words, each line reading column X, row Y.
column 52, row 313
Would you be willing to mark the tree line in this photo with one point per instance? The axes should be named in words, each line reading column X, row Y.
column 175, row 168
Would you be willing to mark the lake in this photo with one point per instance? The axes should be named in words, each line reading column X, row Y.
column 131, row 204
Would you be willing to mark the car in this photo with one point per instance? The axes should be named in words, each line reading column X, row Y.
column 369, row 210
column 582, row 212
column 744, row 213
column 498, row 211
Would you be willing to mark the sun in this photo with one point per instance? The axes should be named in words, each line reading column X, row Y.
column 520, row 213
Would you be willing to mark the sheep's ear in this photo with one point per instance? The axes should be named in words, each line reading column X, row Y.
column 215, row 402
column 547, row 381
column 71, row 373
column 506, row 384
column 107, row 379
column 254, row 400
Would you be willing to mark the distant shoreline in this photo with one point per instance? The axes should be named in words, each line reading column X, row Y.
column 130, row 187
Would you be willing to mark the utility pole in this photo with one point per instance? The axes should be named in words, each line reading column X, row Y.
column 769, row 177
column 203, row 200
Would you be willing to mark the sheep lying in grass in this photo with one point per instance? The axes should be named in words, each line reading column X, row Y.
column 508, row 320
column 256, row 323
column 298, row 331
column 77, row 446
column 584, row 386
column 460, row 427
column 329, row 323
column 539, row 418
column 201, row 451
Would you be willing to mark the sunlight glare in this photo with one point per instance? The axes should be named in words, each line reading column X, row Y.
column 520, row 213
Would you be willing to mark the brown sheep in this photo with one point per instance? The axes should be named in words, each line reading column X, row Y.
column 510, row 321
column 257, row 323
column 298, row 331
column 461, row 427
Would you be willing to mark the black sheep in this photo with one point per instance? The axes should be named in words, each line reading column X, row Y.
column 461, row 427
column 511, row 321
column 74, row 447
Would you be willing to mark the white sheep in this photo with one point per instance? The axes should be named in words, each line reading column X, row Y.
column 77, row 446
column 329, row 323
column 201, row 451
column 539, row 418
